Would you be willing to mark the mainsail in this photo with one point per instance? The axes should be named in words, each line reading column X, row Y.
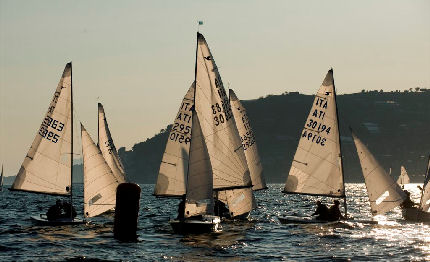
column 107, row 147
column 48, row 163
column 248, row 142
column 403, row 178
column 217, row 124
column 425, row 197
column 99, row 182
column 199, row 198
column 172, row 176
column 384, row 193
column 317, row 165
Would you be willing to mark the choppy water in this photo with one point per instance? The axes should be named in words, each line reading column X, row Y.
column 261, row 239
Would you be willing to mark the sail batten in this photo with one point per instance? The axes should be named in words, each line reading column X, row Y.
column 317, row 165
column 47, row 167
column 384, row 193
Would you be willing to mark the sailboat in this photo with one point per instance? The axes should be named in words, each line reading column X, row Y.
column 48, row 166
column 403, row 178
column 100, row 183
column 215, row 157
column 242, row 201
column 384, row 193
column 422, row 213
column 317, row 167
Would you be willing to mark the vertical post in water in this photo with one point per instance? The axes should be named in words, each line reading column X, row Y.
column 126, row 212
column 71, row 143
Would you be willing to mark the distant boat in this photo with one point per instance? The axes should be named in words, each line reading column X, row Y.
column 384, row 193
column 48, row 165
column 317, row 167
column 100, row 183
column 403, row 178
column 216, row 160
column 422, row 213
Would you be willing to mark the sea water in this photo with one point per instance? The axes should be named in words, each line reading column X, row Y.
column 262, row 238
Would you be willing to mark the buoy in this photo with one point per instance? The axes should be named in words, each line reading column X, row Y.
column 126, row 212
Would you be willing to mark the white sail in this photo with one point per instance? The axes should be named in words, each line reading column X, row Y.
column 425, row 197
column 248, row 142
column 239, row 201
column 384, row 193
column 107, row 147
column 199, row 198
column 174, row 165
column 317, row 167
column 47, row 165
column 99, row 182
column 403, row 178
column 217, row 123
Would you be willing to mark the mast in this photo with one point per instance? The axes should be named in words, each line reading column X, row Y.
column 71, row 144
column 340, row 149
column 192, row 115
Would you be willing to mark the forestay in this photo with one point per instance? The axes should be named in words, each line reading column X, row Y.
column 403, row 178
column 217, row 123
column 384, row 193
column 199, row 198
column 47, row 165
column 107, row 147
column 317, row 167
column 248, row 142
column 99, row 182
column 425, row 197
column 174, row 165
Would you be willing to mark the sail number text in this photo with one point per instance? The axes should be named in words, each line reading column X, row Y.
column 181, row 129
column 54, row 124
column 315, row 130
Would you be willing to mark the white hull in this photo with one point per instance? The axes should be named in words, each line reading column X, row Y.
column 43, row 221
column 207, row 224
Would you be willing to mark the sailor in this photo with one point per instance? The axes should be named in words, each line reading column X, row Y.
column 181, row 209
column 322, row 211
column 61, row 210
column 221, row 209
column 334, row 212
column 55, row 211
column 407, row 203
column 69, row 210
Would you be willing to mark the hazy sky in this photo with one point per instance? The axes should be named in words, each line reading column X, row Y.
column 137, row 57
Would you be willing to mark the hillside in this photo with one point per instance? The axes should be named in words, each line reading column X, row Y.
column 394, row 125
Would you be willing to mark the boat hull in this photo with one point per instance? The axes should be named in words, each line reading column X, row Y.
column 415, row 214
column 42, row 220
column 303, row 220
column 207, row 224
